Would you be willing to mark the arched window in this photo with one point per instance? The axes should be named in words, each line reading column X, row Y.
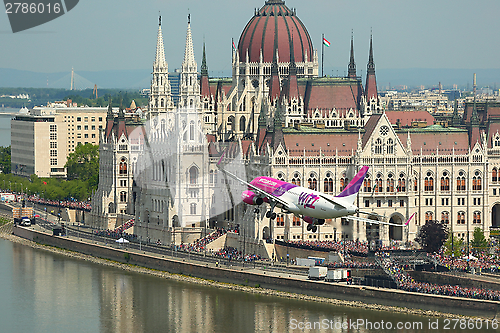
column 401, row 183
column 390, row 183
column 281, row 176
column 367, row 184
column 445, row 218
column 312, row 182
column 445, row 182
column 460, row 218
column 230, row 123
column 494, row 175
column 123, row 196
column 280, row 220
column 296, row 221
column 378, row 146
column 476, row 182
column 328, row 183
column 390, row 146
column 242, row 124
column 378, row 183
column 461, row 181
column 296, row 179
column 193, row 175
column 477, row 217
column 344, row 181
column 429, row 182
column 429, row 216
column 123, row 166
column 191, row 130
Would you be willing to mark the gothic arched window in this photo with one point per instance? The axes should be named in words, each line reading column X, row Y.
column 296, row 179
column 390, row 183
column 445, row 182
column 476, row 182
column 328, row 183
column 344, row 181
column 378, row 146
column 193, row 175
column 123, row 166
column 461, row 181
column 390, row 146
column 313, row 182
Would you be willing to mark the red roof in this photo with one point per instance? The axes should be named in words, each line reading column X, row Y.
column 274, row 24
column 406, row 117
column 329, row 94
column 341, row 143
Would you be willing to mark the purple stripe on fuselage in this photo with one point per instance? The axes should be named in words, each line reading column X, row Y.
column 272, row 186
column 355, row 184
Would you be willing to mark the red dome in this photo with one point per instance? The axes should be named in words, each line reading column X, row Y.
column 275, row 26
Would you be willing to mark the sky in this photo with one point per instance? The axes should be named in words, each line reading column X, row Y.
column 121, row 34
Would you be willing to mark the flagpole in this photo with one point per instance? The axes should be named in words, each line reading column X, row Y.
column 322, row 53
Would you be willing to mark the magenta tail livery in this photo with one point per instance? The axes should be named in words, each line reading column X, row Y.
column 314, row 207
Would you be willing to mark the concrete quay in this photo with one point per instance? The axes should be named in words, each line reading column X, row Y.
column 285, row 283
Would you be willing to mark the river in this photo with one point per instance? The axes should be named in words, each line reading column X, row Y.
column 47, row 292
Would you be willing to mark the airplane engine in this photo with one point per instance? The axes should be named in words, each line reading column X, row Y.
column 251, row 198
column 312, row 220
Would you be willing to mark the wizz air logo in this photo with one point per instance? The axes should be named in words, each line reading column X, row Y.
column 307, row 200
column 26, row 15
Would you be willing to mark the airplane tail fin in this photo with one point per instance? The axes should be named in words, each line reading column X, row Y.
column 352, row 189
column 407, row 222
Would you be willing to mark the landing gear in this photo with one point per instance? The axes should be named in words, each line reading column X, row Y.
column 270, row 214
column 312, row 227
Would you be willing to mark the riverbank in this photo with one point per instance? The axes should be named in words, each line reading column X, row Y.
column 7, row 234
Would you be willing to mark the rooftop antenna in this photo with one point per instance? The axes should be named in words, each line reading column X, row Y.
column 72, row 79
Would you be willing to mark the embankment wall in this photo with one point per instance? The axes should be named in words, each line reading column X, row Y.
column 264, row 279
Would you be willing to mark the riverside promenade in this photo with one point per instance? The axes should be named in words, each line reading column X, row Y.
column 263, row 278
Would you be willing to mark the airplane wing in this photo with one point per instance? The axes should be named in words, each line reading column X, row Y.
column 270, row 197
column 361, row 219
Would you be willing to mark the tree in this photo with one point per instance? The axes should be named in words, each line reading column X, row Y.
column 479, row 242
column 432, row 236
column 83, row 164
column 458, row 244
column 5, row 159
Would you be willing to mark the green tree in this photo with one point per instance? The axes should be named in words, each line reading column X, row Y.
column 83, row 164
column 458, row 245
column 5, row 159
column 432, row 236
column 479, row 242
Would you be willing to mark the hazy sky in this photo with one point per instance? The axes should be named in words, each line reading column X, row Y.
column 121, row 34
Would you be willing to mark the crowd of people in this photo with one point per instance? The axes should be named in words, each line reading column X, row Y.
column 230, row 253
column 116, row 235
column 405, row 282
column 350, row 246
column 353, row 264
column 200, row 245
column 125, row 226
column 73, row 204
column 482, row 262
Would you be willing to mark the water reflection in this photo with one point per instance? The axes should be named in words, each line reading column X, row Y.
column 58, row 294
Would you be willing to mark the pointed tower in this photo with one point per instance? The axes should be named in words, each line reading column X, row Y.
column 371, row 93
column 456, row 117
column 189, row 89
column 351, row 69
column 205, row 90
column 160, row 98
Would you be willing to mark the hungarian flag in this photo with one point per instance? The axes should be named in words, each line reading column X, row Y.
column 234, row 46
column 325, row 42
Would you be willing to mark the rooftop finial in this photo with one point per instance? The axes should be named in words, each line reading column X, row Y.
column 159, row 19
column 189, row 18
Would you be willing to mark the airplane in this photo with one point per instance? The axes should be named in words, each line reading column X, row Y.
column 312, row 206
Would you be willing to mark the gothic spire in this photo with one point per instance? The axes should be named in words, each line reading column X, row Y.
column 160, row 49
column 371, row 63
column 204, row 68
column 189, row 52
column 352, row 65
